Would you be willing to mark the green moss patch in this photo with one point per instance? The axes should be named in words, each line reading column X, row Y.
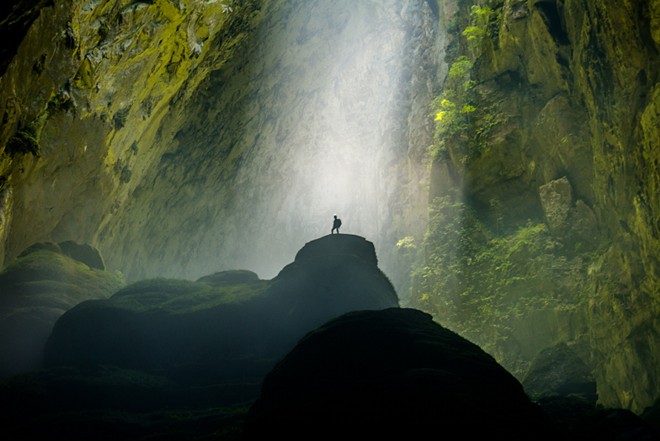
column 182, row 296
column 47, row 277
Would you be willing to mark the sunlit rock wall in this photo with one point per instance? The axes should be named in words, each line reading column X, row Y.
column 567, row 130
column 185, row 137
column 82, row 102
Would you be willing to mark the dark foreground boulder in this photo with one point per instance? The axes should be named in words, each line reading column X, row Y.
column 392, row 373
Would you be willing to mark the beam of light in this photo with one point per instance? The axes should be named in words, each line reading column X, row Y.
column 337, row 93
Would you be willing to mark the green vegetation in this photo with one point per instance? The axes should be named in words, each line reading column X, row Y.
column 453, row 108
column 479, row 283
column 481, row 25
column 463, row 117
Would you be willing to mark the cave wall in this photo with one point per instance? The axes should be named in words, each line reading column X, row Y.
column 184, row 137
column 82, row 102
column 553, row 169
column 309, row 119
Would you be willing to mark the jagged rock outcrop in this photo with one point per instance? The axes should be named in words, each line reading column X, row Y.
column 391, row 373
column 45, row 281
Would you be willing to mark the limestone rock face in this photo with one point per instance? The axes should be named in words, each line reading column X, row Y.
column 557, row 201
column 565, row 100
column 569, row 220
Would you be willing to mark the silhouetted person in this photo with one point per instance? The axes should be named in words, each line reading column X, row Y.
column 335, row 225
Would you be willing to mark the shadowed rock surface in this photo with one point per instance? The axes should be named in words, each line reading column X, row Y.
column 227, row 327
column 558, row 371
column 578, row 419
column 387, row 373
column 192, row 351
column 36, row 289
column 166, row 359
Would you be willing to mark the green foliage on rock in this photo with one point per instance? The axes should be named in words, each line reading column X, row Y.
column 453, row 107
column 483, row 285
column 482, row 23
column 463, row 117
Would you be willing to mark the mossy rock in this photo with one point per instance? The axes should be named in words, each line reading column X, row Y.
column 230, row 277
column 35, row 290
column 225, row 326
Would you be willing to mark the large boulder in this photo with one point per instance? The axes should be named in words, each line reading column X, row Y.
column 329, row 277
column 189, row 330
column 559, row 371
column 36, row 289
column 392, row 373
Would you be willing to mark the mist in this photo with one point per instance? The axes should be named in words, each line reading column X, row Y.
column 313, row 121
column 340, row 136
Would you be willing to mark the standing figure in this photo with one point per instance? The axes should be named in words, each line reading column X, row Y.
column 335, row 225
